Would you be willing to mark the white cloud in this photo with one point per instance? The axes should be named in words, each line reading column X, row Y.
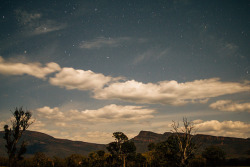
column 79, row 79
column 50, row 113
column 103, row 42
column 36, row 125
column 170, row 92
column 33, row 69
column 229, row 105
column 225, row 128
column 61, row 124
column 117, row 112
column 107, row 113
column 99, row 137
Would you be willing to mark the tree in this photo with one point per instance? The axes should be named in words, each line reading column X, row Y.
column 40, row 160
column 20, row 123
column 140, row 160
column 198, row 161
column 97, row 159
column 214, row 155
column 59, row 162
column 164, row 153
column 121, row 148
column 76, row 160
column 185, row 140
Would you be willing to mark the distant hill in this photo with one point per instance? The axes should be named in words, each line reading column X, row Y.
column 234, row 147
column 40, row 142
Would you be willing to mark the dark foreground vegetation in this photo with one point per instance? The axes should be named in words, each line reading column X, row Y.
column 98, row 159
column 179, row 150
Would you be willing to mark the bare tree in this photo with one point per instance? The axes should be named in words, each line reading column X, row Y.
column 20, row 123
column 184, row 138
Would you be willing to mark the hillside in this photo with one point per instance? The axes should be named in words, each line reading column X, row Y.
column 40, row 142
column 234, row 147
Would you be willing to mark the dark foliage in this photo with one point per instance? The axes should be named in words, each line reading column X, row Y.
column 121, row 148
column 214, row 155
column 20, row 123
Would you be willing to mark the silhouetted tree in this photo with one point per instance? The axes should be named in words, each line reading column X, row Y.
column 121, row 148
column 20, row 123
column 98, row 159
column 164, row 153
column 214, row 155
column 198, row 161
column 59, row 162
column 40, row 160
column 140, row 160
column 76, row 160
column 184, row 136
column 3, row 161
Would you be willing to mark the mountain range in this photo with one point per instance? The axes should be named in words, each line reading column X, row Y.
column 233, row 147
column 40, row 142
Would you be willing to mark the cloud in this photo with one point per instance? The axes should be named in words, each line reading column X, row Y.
column 107, row 87
column 120, row 112
column 225, row 128
column 3, row 123
column 33, row 69
column 109, row 42
column 151, row 53
column 35, row 24
column 27, row 18
column 110, row 112
column 170, row 92
column 216, row 45
column 229, row 105
column 50, row 113
column 48, row 26
column 103, row 42
column 36, row 125
column 99, row 137
column 79, row 79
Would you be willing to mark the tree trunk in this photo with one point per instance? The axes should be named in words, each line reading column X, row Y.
column 124, row 161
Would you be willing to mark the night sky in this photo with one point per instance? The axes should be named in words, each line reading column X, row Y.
column 86, row 69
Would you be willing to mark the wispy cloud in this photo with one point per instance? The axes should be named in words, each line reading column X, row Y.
column 101, row 42
column 35, row 24
column 218, row 45
column 33, row 69
column 48, row 26
column 150, row 54
column 170, row 92
column 104, row 42
column 224, row 128
column 26, row 18
column 229, row 105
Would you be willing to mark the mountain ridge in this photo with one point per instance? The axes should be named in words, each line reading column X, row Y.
column 234, row 147
column 41, row 142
